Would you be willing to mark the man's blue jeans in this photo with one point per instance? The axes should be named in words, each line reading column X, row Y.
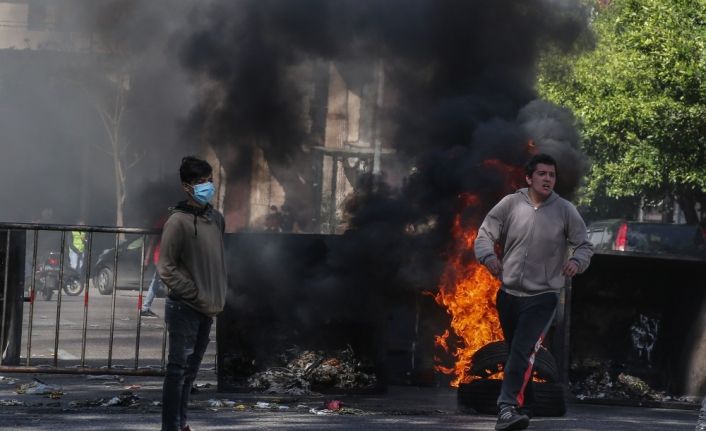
column 155, row 286
column 188, row 337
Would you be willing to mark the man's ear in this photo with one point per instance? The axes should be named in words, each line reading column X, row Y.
column 528, row 180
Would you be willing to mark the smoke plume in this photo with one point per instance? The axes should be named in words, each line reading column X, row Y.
column 459, row 93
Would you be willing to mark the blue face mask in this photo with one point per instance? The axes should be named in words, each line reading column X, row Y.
column 203, row 193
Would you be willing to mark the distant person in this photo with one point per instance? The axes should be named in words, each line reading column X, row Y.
column 543, row 241
column 151, row 260
column 273, row 221
column 287, row 224
column 156, row 283
column 77, row 250
column 192, row 266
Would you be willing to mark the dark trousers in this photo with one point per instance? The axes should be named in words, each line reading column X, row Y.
column 525, row 321
column 188, row 337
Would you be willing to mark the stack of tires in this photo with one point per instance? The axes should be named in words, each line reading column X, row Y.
column 544, row 398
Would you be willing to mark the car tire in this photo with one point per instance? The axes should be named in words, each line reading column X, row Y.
column 481, row 396
column 490, row 359
column 549, row 400
column 73, row 286
column 104, row 281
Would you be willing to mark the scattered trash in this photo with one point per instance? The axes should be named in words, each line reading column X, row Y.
column 198, row 387
column 321, row 412
column 263, row 405
column 593, row 379
column 132, row 387
column 12, row 402
column 240, row 407
column 156, row 403
column 221, row 403
column 340, row 370
column 342, row 411
column 37, row 387
column 126, row 399
column 7, row 380
column 634, row 385
column 55, row 395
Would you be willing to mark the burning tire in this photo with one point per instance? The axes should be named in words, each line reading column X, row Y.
column 545, row 399
column 490, row 359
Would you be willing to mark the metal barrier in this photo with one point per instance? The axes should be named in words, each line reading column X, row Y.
column 85, row 279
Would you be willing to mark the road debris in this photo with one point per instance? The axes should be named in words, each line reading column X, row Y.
column 593, row 379
column 37, row 387
column 7, row 380
column 125, row 399
column 12, row 402
column 313, row 369
column 221, row 403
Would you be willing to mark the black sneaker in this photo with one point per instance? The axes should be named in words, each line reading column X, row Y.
column 510, row 419
column 149, row 314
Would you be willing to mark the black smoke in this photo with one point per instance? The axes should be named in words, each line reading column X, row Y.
column 460, row 90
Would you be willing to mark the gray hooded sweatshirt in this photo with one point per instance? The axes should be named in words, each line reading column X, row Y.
column 535, row 242
column 191, row 259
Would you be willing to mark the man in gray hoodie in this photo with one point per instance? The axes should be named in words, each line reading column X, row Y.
column 543, row 241
column 192, row 267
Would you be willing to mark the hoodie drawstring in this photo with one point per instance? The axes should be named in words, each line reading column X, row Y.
column 183, row 206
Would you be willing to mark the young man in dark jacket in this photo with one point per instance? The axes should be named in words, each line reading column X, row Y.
column 543, row 241
column 192, row 267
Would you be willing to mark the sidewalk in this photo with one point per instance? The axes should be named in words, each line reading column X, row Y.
column 132, row 403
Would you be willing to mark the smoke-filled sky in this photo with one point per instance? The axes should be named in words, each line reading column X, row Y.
column 459, row 83
column 233, row 73
column 459, row 90
column 54, row 143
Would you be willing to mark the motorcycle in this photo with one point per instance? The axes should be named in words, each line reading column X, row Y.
column 46, row 278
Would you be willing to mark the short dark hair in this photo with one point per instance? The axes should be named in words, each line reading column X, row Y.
column 192, row 169
column 543, row 158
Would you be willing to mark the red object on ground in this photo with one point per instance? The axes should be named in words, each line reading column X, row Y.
column 333, row 405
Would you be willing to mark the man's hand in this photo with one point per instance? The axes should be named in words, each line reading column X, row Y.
column 570, row 268
column 494, row 266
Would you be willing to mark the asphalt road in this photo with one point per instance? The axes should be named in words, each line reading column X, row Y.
column 402, row 408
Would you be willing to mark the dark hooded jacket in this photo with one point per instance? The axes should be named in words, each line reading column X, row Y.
column 191, row 261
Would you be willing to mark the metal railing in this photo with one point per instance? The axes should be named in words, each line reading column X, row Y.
column 85, row 279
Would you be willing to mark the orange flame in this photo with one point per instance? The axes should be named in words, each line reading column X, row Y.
column 467, row 291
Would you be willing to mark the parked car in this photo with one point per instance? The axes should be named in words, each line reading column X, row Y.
column 129, row 266
column 621, row 235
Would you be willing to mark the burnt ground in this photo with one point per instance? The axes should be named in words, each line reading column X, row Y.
column 84, row 403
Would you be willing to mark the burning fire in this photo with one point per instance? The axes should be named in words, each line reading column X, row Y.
column 467, row 291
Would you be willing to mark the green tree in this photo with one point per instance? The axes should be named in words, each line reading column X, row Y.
column 640, row 98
